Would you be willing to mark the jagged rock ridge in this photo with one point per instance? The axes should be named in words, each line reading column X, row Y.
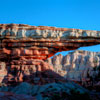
column 21, row 44
column 76, row 65
column 24, row 48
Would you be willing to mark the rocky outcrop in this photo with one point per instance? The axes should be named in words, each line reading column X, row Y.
column 23, row 48
column 77, row 65
column 52, row 91
column 12, row 96
column 31, row 42
column 32, row 71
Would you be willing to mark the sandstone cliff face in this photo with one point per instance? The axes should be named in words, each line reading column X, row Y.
column 31, row 71
column 23, row 30
column 24, row 48
column 24, row 41
column 76, row 65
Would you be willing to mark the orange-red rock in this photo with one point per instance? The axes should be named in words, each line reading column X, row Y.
column 23, row 48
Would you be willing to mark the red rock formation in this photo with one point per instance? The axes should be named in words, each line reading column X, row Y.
column 22, row 46
column 19, row 40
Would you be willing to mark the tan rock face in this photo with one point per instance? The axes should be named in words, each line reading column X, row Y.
column 23, row 48
column 33, row 71
column 3, row 71
column 77, row 65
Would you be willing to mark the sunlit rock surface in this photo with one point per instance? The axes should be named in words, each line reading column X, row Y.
column 76, row 65
column 31, row 42
column 23, row 49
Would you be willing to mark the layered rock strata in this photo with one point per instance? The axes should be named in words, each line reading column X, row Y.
column 24, row 41
column 77, row 65
column 23, row 48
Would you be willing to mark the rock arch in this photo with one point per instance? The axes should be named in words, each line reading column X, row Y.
column 25, row 45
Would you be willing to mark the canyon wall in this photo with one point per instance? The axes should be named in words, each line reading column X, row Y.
column 23, row 69
column 76, row 65
column 23, row 48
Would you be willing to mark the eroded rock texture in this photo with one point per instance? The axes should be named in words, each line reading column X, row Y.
column 23, row 48
column 77, row 65
column 31, row 42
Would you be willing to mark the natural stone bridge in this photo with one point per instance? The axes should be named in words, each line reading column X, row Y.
column 19, row 40
column 25, row 45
